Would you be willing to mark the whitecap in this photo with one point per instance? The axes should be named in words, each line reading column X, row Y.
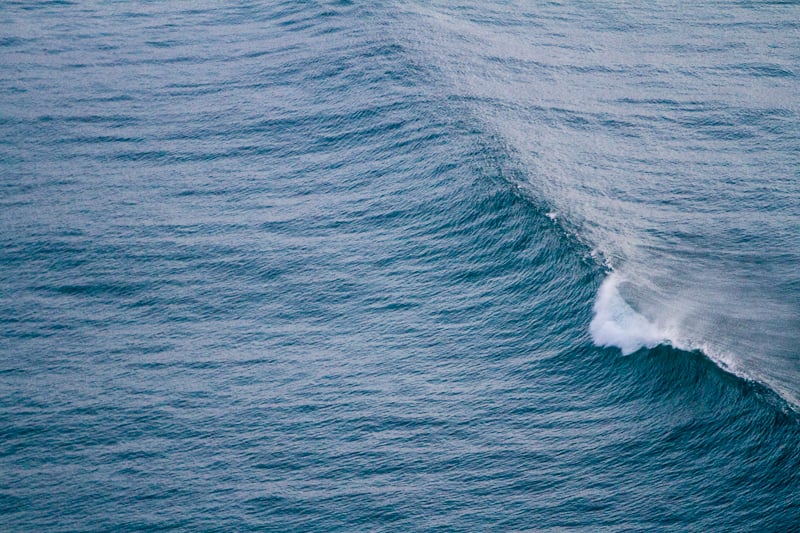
column 616, row 323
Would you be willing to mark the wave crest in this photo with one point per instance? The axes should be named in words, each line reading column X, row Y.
column 616, row 323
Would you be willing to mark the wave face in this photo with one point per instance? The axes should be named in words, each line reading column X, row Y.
column 365, row 266
column 666, row 139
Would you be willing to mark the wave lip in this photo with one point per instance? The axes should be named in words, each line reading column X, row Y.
column 617, row 324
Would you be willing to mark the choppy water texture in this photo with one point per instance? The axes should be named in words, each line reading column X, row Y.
column 405, row 266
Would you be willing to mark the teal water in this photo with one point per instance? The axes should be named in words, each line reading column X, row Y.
column 402, row 267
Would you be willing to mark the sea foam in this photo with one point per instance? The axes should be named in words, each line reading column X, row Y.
column 616, row 323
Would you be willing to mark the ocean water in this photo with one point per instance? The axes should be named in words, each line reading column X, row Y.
column 407, row 266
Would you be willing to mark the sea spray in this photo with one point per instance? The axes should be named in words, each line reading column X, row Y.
column 616, row 323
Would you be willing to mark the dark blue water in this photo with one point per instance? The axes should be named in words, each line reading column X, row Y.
column 402, row 267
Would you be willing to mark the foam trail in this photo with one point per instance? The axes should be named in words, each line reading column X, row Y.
column 615, row 323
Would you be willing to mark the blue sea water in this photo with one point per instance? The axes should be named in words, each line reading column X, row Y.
column 409, row 266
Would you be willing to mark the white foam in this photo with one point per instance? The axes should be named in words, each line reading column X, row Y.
column 616, row 323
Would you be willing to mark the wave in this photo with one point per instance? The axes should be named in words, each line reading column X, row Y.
column 686, row 192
